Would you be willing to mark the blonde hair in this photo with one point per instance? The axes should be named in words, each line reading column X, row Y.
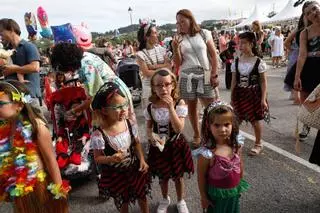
column 175, row 91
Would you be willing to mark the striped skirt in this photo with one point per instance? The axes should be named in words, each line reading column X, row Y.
column 124, row 185
column 246, row 102
column 173, row 161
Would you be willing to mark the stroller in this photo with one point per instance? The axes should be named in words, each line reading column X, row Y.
column 71, row 133
column 128, row 72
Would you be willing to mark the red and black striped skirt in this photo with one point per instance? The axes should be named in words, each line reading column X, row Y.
column 246, row 102
column 124, row 185
column 173, row 161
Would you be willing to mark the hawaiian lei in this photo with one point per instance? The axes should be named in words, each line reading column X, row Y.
column 19, row 169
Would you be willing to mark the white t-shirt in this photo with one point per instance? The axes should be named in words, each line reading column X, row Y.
column 189, row 56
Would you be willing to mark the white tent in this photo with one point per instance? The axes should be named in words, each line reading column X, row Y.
column 256, row 15
column 287, row 13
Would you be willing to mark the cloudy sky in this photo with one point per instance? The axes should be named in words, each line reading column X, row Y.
column 104, row 15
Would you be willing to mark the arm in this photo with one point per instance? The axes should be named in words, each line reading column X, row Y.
column 203, row 165
column 233, row 83
column 100, row 157
column 176, row 121
column 263, row 86
column 83, row 106
column 261, row 38
column 144, row 68
column 303, row 52
column 177, row 58
column 149, row 130
column 33, row 67
column 44, row 143
column 289, row 39
column 213, row 54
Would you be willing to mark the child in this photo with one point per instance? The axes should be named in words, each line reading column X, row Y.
column 169, row 154
column 124, row 172
column 249, row 87
column 27, row 160
column 73, row 134
column 220, row 167
column 227, row 57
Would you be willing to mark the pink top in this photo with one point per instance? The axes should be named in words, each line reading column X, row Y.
column 224, row 173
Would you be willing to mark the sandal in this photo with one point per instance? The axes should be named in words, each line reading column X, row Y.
column 196, row 142
column 256, row 150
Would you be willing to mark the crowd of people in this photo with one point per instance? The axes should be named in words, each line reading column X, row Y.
column 96, row 114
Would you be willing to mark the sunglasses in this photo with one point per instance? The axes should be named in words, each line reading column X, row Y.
column 2, row 103
column 118, row 107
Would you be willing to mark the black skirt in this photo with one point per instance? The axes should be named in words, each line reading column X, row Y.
column 315, row 154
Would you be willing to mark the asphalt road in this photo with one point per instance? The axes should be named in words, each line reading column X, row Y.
column 278, row 184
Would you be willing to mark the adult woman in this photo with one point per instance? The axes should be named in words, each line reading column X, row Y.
column 150, row 57
column 307, row 77
column 198, row 77
column 257, row 29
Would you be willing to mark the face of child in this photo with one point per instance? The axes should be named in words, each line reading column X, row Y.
column 245, row 46
column 8, row 108
column 117, row 109
column 221, row 126
column 162, row 85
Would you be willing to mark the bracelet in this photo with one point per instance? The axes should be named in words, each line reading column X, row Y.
column 59, row 190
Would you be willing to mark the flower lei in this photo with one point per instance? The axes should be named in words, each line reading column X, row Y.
column 19, row 169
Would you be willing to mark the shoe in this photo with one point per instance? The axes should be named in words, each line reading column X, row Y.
column 256, row 150
column 182, row 207
column 163, row 205
column 303, row 135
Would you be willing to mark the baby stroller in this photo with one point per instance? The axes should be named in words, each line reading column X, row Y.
column 128, row 72
column 71, row 133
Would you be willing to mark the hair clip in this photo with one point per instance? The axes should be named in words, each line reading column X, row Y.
column 26, row 99
column 16, row 96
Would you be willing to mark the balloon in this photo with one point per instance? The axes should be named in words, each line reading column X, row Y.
column 43, row 20
column 82, row 35
column 31, row 24
column 63, row 33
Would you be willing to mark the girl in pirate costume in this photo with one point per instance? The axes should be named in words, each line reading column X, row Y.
column 249, row 87
column 124, row 172
column 29, row 173
column 169, row 154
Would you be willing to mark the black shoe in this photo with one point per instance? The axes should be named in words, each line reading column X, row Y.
column 303, row 135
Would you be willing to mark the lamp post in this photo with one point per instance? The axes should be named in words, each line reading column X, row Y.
column 130, row 14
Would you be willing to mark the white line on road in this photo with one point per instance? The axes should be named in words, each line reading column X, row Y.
column 283, row 152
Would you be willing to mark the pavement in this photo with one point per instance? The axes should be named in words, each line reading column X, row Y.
column 282, row 181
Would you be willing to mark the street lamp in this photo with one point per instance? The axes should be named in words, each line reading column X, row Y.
column 130, row 13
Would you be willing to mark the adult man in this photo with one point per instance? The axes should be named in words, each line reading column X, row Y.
column 26, row 60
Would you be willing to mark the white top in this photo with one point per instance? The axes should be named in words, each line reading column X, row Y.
column 245, row 68
column 277, row 48
column 121, row 141
column 161, row 115
column 189, row 57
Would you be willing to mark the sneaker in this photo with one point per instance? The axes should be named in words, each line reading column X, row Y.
column 303, row 135
column 163, row 205
column 182, row 207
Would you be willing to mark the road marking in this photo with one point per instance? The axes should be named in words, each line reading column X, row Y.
column 284, row 153
column 275, row 76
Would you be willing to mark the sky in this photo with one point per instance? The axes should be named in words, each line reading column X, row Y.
column 105, row 15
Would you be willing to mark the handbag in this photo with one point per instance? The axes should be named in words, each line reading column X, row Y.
column 309, row 111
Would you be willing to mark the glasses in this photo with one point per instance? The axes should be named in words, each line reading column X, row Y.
column 165, row 85
column 118, row 107
column 2, row 103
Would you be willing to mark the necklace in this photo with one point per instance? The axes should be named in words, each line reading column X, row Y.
column 18, row 160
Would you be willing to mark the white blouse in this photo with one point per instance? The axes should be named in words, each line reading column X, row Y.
column 121, row 141
column 161, row 115
column 245, row 68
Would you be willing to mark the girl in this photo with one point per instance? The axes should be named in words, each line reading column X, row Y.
column 277, row 48
column 220, row 166
column 249, row 87
column 27, row 160
column 124, row 172
column 151, row 57
column 169, row 154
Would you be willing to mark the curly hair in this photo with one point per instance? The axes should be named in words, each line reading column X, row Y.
column 66, row 57
column 207, row 139
column 164, row 72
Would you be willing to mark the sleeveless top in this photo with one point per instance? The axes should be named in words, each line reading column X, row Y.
column 314, row 44
column 224, row 172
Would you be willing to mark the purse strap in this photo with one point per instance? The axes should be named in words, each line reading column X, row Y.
column 194, row 49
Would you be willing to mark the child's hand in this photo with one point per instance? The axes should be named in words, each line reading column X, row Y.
column 143, row 167
column 264, row 105
column 205, row 203
column 83, row 140
column 118, row 157
column 59, row 139
column 168, row 100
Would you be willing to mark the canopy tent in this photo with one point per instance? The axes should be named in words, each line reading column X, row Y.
column 287, row 13
column 256, row 15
